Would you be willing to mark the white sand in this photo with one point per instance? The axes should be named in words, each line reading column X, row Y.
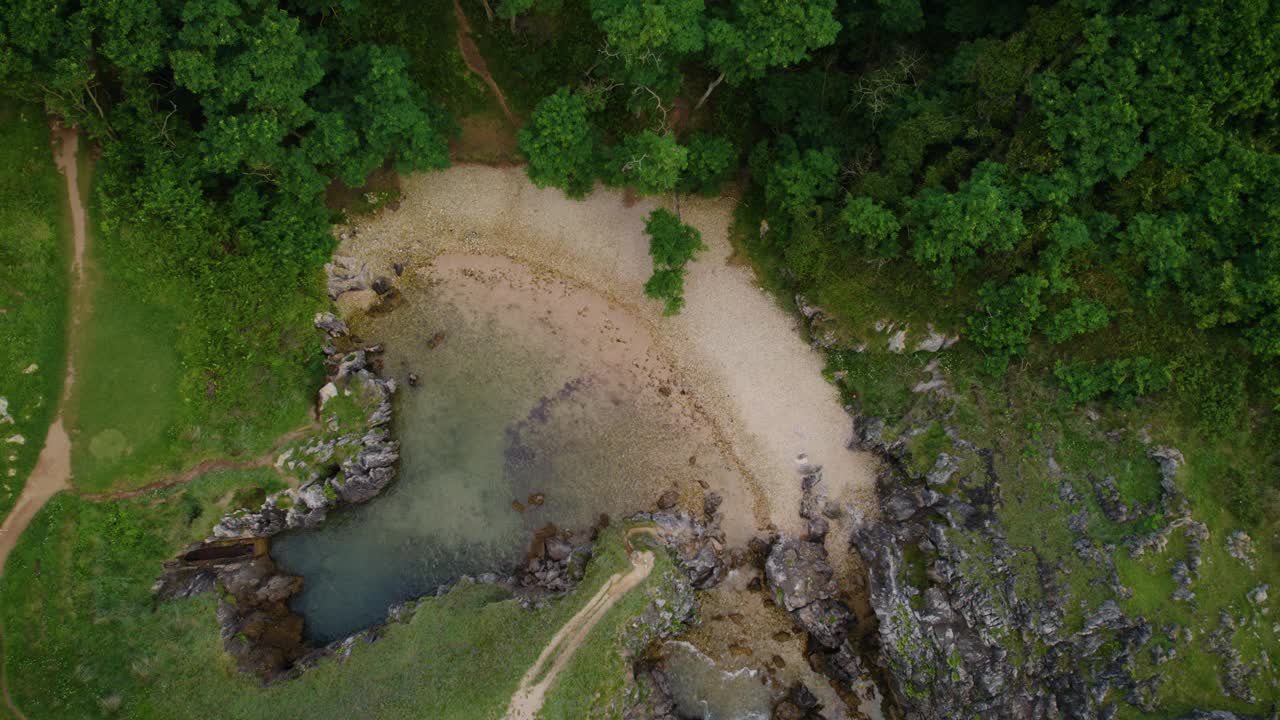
column 740, row 356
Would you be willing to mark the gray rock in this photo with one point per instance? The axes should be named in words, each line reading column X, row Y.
column 331, row 324
column 799, row 573
column 827, row 621
column 897, row 342
column 346, row 274
column 668, row 500
column 557, row 549
column 943, row 469
column 935, row 341
column 711, row 503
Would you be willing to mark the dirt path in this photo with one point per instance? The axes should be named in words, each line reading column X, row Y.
column 528, row 699
column 266, row 459
column 52, row 472
column 475, row 61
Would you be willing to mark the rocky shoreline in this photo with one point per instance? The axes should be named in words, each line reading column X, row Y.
column 968, row 643
column 350, row 460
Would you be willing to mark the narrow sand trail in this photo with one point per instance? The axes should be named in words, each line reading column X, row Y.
column 738, row 359
column 475, row 61
column 528, row 699
column 267, row 459
column 52, row 472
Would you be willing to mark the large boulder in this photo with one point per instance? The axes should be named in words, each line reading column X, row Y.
column 799, row 573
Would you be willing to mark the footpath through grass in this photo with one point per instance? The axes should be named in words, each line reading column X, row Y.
column 148, row 401
column 84, row 638
column 34, row 254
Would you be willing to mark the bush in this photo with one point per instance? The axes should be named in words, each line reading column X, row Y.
column 671, row 244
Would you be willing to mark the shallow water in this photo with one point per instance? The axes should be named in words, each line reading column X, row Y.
column 703, row 691
column 536, row 387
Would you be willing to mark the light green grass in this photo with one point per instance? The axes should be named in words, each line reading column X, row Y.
column 594, row 682
column 83, row 634
column 34, row 252
column 140, row 409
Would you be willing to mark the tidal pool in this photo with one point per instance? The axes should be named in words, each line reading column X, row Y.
column 528, row 386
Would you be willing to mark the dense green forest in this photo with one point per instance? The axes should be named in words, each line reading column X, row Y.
column 1087, row 192
column 1095, row 177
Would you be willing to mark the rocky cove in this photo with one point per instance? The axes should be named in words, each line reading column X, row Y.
column 494, row 381
column 482, row 418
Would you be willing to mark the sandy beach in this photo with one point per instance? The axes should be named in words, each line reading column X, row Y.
column 746, row 369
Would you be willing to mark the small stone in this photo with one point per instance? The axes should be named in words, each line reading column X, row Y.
column 517, row 506
column 5, row 417
column 16, row 440
column 398, row 268
column 536, row 499
column 331, row 324
column 898, row 342
column 382, row 285
column 711, row 503
column 414, row 379
column 327, row 393
column 668, row 500
column 30, row 369
column 557, row 549
column 435, row 341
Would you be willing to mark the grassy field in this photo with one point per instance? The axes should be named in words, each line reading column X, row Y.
column 141, row 409
column 84, row 638
column 34, row 256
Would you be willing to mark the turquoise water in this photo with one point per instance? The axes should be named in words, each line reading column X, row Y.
column 512, row 402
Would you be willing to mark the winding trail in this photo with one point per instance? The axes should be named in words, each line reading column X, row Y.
column 52, row 473
column 266, row 459
column 475, row 61
column 528, row 698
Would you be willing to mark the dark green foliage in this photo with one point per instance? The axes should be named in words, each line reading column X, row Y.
column 650, row 33
column 1002, row 327
column 951, row 231
column 559, row 144
column 671, row 244
column 712, row 161
column 1123, row 379
column 752, row 36
column 1079, row 317
column 796, row 181
column 649, row 162
column 222, row 122
column 871, row 227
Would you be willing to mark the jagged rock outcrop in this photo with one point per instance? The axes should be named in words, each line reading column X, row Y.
column 259, row 630
column 803, row 583
column 698, row 547
column 347, row 274
column 649, row 697
column 956, row 638
column 370, row 454
column 799, row 704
